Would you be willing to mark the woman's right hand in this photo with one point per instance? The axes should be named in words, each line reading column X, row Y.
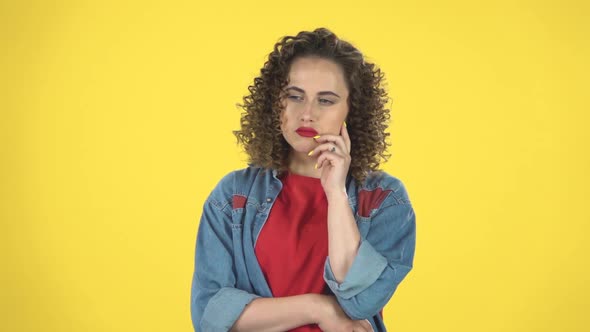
column 331, row 318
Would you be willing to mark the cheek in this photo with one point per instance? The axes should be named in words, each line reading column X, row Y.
column 286, row 116
column 283, row 120
column 340, row 114
column 344, row 111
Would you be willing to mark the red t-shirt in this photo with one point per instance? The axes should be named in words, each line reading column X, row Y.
column 293, row 244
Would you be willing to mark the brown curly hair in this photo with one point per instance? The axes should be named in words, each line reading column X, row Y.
column 367, row 118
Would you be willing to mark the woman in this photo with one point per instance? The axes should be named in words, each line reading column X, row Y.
column 311, row 235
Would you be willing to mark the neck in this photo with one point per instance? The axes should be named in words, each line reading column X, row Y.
column 302, row 164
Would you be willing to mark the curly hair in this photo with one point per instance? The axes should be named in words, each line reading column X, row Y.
column 367, row 118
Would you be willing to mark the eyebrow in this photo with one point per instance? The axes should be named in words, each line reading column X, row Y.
column 319, row 93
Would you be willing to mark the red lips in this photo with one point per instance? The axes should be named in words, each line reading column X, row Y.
column 306, row 132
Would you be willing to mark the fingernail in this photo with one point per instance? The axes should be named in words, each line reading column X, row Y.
column 310, row 153
column 318, row 136
column 315, row 166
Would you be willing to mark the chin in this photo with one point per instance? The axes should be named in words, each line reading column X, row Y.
column 302, row 146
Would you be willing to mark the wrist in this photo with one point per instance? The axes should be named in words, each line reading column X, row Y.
column 336, row 195
column 317, row 307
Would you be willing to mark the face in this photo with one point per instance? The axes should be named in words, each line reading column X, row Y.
column 316, row 99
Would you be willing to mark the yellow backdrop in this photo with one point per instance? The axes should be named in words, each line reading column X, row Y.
column 116, row 121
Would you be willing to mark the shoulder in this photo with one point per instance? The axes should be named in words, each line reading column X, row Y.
column 236, row 182
column 379, row 190
column 387, row 182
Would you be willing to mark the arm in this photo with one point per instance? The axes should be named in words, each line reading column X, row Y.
column 216, row 303
column 382, row 261
column 277, row 314
column 286, row 313
column 343, row 235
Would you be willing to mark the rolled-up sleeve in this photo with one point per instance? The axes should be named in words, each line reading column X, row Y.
column 224, row 308
column 216, row 303
column 382, row 261
column 365, row 270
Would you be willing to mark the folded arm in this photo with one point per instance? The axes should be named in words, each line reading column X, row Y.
column 381, row 262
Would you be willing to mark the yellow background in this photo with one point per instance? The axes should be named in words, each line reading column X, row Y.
column 116, row 122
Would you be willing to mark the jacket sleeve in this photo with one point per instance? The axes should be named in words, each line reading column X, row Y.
column 383, row 259
column 215, row 301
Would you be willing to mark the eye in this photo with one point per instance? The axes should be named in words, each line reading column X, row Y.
column 295, row 97
column 326, row 101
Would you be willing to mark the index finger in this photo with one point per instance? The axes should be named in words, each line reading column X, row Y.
column 344, row 134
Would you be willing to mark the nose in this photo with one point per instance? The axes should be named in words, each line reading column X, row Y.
column 308, row 111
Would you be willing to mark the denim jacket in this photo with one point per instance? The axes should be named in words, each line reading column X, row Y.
column 227, row 275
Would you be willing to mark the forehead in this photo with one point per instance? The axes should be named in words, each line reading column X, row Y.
column 317, row 74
